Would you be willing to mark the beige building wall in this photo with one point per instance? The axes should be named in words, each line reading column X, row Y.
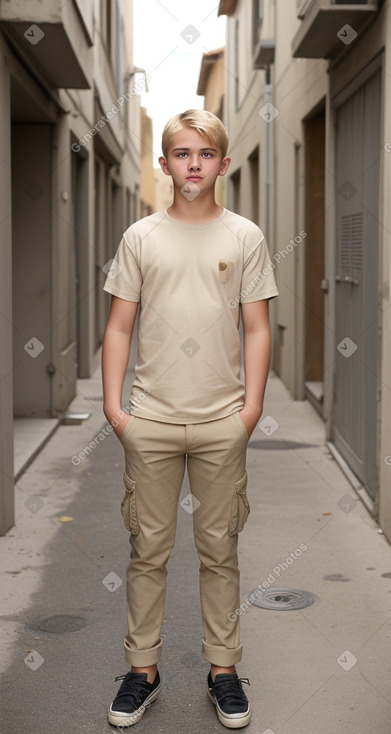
column 147, row 181
column 211, row 85
column 295, row 191
column 164, row 190
column 69, row 178
column 311, row 78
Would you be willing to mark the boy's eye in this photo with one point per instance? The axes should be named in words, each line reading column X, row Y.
column 205, row 154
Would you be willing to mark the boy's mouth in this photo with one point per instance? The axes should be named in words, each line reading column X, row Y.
column 194, row 178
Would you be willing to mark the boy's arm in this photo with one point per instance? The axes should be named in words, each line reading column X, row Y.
column 257, row 350
column 115, row 357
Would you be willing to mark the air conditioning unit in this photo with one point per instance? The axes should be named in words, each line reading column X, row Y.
column 264, row 53
column 303, row 7
column 324, row 22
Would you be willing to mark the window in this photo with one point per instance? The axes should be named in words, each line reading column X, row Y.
column 257, row 20
column 106, row 22
column 235, row 191
column 236, row 61
column 253, row 161
column 129, row 219
column 119, row 50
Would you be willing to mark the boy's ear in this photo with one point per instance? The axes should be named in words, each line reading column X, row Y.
column 225, row 163
column 164, row 166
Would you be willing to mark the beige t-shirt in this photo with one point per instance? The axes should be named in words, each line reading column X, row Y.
column 190, row 280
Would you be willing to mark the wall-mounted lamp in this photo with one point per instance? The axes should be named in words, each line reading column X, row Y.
column 137, row 70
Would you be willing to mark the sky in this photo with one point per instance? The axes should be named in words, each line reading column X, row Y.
column 170, row 37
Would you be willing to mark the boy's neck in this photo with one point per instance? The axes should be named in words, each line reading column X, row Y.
column 198, row 211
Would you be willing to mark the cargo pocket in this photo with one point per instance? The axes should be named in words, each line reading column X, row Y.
column 128, row 506
column 240, row 507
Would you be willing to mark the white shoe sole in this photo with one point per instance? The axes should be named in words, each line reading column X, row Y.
column 120, row 719
column 231, row 721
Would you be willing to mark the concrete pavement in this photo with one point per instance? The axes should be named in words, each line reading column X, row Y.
column 322, row 669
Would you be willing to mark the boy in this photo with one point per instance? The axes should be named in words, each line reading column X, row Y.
column 193, row 268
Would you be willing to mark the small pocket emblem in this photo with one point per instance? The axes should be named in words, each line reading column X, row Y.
column 225, row 270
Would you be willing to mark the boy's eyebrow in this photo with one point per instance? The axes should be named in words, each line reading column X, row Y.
column 209, row 147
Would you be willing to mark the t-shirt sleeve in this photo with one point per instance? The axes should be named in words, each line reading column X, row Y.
column 258, row 281
column 123, row 274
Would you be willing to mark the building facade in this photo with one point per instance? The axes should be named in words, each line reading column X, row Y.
column 308, row 107
column 147, row 180
column 164, row 191
column 211, row 85
column 69, row 177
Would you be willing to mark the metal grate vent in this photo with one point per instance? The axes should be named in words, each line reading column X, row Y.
column 345, row 247
column 356, row 245
column 351, row 247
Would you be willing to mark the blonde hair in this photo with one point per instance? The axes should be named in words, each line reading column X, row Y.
column 205, row 122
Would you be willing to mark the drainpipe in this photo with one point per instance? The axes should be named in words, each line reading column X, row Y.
column 267, row 97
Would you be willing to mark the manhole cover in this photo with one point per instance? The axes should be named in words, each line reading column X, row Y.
column 58, row 623
column 282, row 599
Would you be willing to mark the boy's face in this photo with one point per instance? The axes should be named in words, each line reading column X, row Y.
column 193, row 161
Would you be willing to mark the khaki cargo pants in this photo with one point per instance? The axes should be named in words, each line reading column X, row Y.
column 156, row 454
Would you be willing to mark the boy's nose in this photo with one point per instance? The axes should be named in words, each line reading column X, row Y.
column 194, row 164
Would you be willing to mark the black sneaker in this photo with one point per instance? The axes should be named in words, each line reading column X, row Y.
column 133, row 697
column 232, row 707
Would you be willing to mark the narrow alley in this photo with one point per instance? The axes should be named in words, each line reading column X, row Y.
column 325, row 668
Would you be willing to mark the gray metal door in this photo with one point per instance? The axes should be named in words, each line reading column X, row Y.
column 357, row 201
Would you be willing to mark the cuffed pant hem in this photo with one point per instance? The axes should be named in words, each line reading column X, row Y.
column 223, row 656
column 141, row 658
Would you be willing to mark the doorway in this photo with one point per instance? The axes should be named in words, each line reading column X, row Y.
column 31, row 147
column 314, row 137
column 78, row 264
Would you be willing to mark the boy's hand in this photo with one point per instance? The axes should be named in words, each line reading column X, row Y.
column 118, row 420
column 118, row 430
column 250, row 418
